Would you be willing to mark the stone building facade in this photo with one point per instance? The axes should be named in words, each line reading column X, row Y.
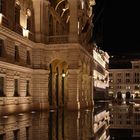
column 124, row 83
column 46, row 60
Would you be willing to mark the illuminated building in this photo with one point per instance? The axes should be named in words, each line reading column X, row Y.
column 45, row 56
column 125, row 83
column 100, row 73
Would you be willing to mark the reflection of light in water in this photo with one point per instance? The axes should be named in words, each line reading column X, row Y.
column 5, row 117
column 33, row 112
column 124, row 102
column 20, row 114
column 52, row 110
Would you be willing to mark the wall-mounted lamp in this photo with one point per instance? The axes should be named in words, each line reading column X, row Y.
column 25, row 32
column 63, row 75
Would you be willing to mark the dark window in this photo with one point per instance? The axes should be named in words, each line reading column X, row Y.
column 28, row 60
column 3, row 6
column 1, row 86
column 2, row 136
column 127, row 80
column 16, row 54
column 27, row 133
column 16, row 87
column 29, row 25
column 16, row 134
column 17, row 14
column 50, row 25
column 1, row 48
column 27, row 88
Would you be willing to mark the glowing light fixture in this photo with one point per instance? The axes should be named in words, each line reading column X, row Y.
column 1, row 18
column 63, row 75
column 25, row 32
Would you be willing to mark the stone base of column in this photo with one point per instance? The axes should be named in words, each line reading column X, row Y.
column 73, row 105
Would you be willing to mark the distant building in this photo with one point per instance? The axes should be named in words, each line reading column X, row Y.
column 125, row 83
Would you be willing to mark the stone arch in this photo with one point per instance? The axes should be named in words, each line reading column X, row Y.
column 57, row 83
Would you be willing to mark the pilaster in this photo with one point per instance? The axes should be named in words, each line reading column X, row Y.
column 40, row 8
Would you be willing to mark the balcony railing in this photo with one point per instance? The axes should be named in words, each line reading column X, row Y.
column 60, row 39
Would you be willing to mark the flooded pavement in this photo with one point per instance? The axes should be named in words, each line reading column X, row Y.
column 106, row 121
column 56, row 125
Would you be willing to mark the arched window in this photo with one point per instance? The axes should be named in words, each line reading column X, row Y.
column 50, row 25
column 17, row 13
column 3, row 7
column 128, row 95
column 29, row 22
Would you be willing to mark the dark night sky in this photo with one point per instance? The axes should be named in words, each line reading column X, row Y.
column 117, row 27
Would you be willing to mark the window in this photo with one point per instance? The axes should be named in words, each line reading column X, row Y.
column 1, row 48
column 2, row 136
column 119, row 74
column 16, row 87
column 3, row 6
column 127, row 80
column 27, row 133
column 28, row 60
column 16, row 134
column 1, row 86
column 136, row 66
column 29, row 24
column 127, row 74
column 17, row 14
column 50, row 25
column 110, row 74
column 119, row 80
column 27, row 88
column 16, row 54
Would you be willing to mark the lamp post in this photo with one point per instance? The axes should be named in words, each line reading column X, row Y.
column 63, row 81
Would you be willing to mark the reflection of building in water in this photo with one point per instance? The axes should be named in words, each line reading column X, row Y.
column 46, row 55
column 15, row 127
column 101, row 123
column 125, row 117
column 124, row 83
column 56, row 124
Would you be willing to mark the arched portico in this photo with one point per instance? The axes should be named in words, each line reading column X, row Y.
column 57, row 83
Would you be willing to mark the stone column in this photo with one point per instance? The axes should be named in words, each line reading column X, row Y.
column 73, row 101
column 73, row 25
